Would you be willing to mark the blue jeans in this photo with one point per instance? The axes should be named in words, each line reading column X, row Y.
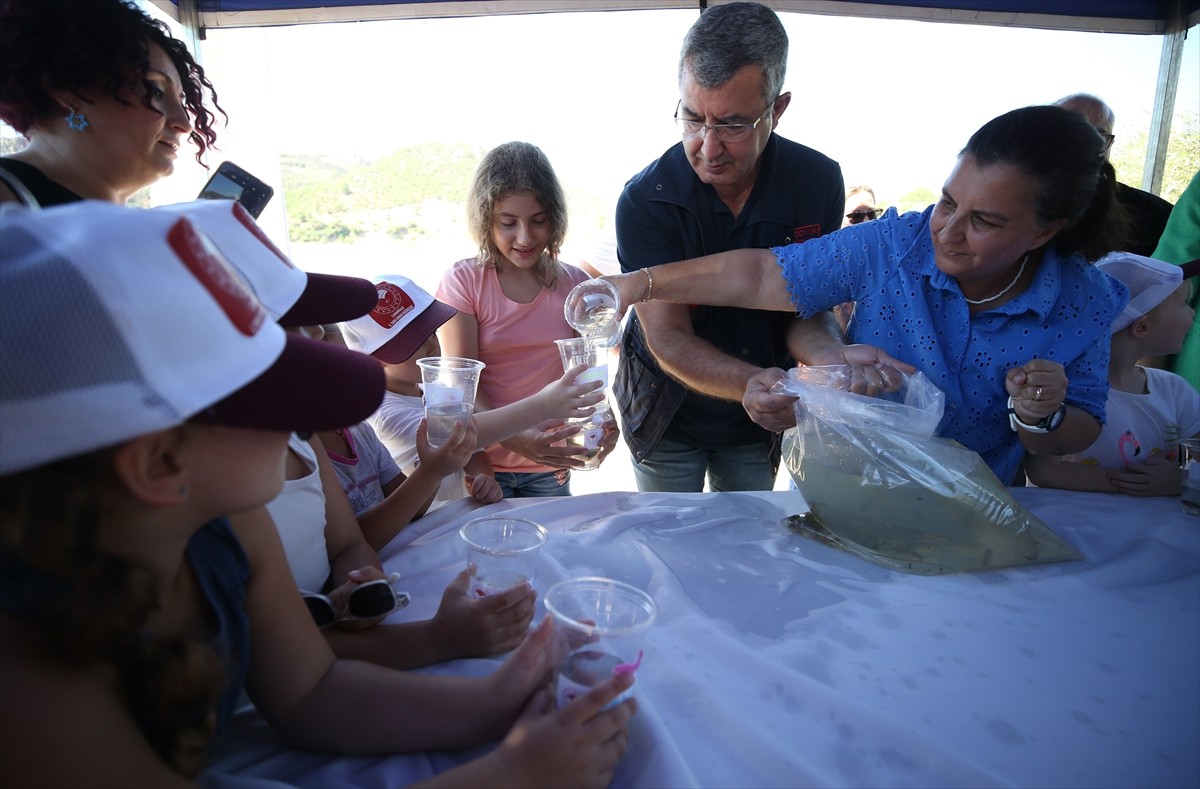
column 534, row 484
column 676, row 467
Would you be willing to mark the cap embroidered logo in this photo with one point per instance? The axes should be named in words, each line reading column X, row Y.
column 393, row 305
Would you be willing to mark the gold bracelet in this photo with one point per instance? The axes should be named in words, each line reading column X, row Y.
column 649, row 285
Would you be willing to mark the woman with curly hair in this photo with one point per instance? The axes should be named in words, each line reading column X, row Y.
column 105, row 95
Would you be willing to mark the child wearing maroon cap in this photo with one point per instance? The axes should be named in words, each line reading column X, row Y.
column 161, row 402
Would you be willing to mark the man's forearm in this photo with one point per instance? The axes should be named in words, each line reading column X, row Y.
column 810, row 339
column 701, row 366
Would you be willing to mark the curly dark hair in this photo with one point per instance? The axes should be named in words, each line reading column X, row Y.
column 90, row 608
column 94, row 46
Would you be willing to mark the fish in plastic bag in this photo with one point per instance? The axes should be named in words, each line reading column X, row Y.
column 882, row 486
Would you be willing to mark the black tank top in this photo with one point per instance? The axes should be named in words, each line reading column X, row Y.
column 45, row 191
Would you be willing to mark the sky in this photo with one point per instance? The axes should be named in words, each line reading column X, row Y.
column 892, row 101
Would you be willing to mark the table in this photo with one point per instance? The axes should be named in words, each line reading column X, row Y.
column 779, row 661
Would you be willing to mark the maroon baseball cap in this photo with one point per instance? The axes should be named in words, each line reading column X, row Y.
column 402, row 319
column 312, row 386
column 330, row 298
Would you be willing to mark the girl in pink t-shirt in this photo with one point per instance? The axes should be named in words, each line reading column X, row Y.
column 510, row 308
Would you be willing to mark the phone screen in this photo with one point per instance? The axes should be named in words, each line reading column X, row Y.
column 220, row 187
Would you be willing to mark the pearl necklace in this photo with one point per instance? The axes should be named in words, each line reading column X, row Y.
column 1021, row 271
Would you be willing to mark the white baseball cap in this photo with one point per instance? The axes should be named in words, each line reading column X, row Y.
column 1149, row 282
column 290, row 296
column 403, row 318
column 118, row 322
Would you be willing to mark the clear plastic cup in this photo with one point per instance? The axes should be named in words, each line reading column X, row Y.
column 504, row 551
column 590, row 438
column 583, row 350
column 591, row 308
column 599, row 630
column 449, row 384
column 589, row 441
column 1189, row 465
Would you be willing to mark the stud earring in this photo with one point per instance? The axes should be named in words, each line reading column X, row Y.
column 76, row 120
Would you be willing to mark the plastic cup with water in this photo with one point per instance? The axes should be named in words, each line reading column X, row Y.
column 589, row 440
column 1189, row 465
column 575, row 351
column 591, row 308
column 600, row 628
column 448, row 386
column 504, row 551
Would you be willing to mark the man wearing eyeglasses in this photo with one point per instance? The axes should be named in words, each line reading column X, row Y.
column 1147, row 212
column 731, row 183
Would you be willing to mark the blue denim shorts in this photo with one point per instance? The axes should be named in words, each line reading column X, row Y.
column 534, row 484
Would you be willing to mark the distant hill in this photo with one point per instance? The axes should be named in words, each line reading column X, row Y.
column 414, row 192
column 331, row 199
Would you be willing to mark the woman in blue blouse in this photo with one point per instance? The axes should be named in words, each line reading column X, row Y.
column 989, row 291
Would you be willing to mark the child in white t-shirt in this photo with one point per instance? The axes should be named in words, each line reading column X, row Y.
column 1148, row 410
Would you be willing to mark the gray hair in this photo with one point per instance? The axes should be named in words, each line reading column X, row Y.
column 1086, row 104
column 727, row 37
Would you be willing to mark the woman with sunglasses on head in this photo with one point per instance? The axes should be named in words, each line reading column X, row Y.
column 989, row 292
column 131, row 613
column 105, row 95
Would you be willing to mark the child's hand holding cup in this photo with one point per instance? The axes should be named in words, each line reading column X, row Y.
column 448, row 386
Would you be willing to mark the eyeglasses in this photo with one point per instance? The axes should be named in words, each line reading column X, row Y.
column 726, row 132
column 368, row 601
column 1108, row 140
column 862, row 216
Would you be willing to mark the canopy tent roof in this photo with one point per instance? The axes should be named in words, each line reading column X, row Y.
column 1109, row 16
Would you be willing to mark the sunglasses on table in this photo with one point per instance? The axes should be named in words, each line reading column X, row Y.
column 368, row 601
column 862, row 216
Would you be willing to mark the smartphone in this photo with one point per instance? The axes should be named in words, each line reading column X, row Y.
column 231, row 182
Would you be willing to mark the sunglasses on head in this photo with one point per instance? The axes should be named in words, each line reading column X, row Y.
column 862, row 216
column 368, row 601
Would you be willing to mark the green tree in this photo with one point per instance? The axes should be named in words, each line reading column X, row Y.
column 11, row 143
column 336, row 200
column 1183, row 156
column 917, row 200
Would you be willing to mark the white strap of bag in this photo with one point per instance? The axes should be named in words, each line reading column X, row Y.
column 22, row 192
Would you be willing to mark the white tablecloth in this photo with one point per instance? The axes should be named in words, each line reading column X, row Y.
column 778, row 661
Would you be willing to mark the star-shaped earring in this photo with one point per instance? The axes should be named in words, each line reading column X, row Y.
column 76, row 120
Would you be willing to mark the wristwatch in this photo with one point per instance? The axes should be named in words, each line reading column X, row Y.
column 1047, row 424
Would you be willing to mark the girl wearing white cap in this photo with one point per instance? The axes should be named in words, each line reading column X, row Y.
column 1149, row 410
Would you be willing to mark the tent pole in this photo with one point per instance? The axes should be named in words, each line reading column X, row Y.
column 189, row 20
column 1164, row 96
